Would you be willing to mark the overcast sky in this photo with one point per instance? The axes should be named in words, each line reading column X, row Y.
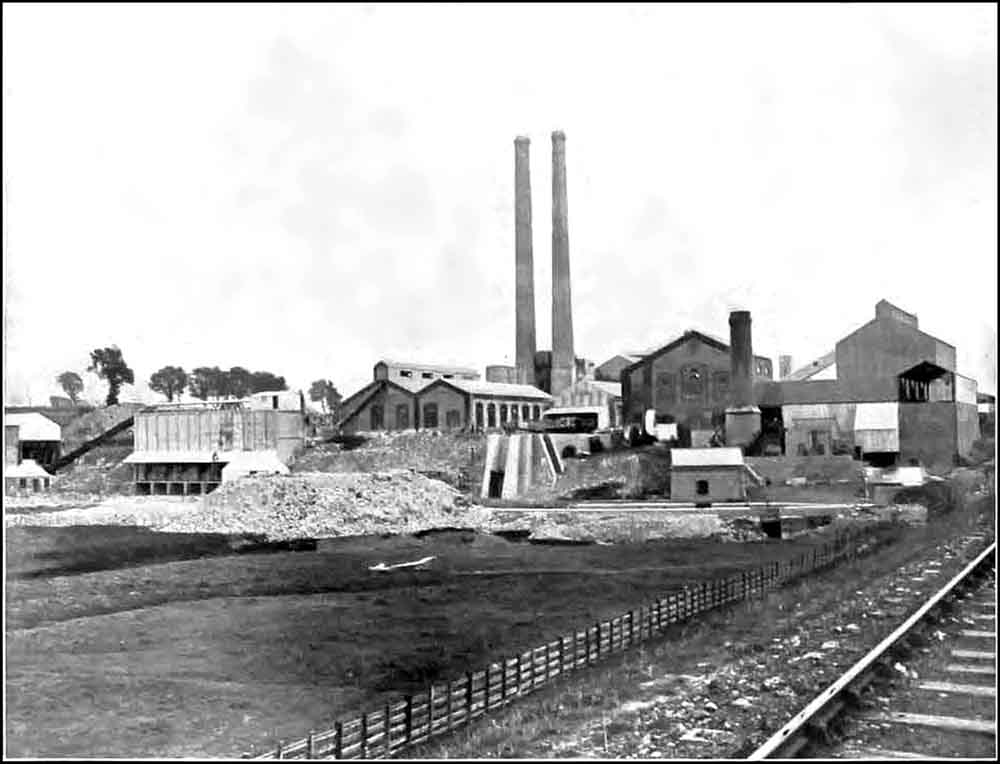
column 305, row 189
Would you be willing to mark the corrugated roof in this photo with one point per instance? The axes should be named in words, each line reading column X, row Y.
column 34, row 426
column 497, row 389
column 876, row 416
column 706, row 457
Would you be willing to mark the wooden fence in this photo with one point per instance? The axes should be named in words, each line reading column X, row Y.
column 446, row 706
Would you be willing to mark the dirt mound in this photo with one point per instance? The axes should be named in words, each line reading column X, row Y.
column 456, row 458
column 318, row 505
column 93, row 423
column 100, row 472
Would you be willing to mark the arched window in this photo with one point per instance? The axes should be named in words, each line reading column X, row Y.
column 536, row 412
column 692, row 383
column 430, row 415
column 491, row 415
column 480, row 419
column 453, row 419
column 402, row 416
column 377, row 414
column 720, row 386
column 503, row 413
column 525, row 413
column 514, row 411
column 666, row 391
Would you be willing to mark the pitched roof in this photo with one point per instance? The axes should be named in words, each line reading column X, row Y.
column 706, row 457
column 708, row 339
column 493, row 389
column 34, row 426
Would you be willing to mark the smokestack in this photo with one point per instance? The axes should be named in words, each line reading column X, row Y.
column 784, row 366
column 563, row 358
column 741, row 358
column 524, row 266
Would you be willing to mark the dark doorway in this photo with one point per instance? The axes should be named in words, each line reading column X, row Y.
column 496, row 484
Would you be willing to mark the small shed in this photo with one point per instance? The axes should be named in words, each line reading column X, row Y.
column 26, row 477
column 706, row 475
column 876, row 427
column 39, row 438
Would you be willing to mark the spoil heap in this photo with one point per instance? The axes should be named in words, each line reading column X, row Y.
column 317, row 505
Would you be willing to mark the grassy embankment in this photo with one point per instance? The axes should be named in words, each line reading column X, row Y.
column 148, row 657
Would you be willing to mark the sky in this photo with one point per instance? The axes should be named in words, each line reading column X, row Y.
column 305, row 189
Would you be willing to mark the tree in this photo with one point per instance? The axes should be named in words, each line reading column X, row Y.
column 110, row 366
column 324, row 391
column 205, row 382
column 239, row 382
column 169, row 381
column 265, row 381
column 71, row 384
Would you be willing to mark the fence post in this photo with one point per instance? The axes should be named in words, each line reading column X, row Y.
column 388, row 731
column 451, row 691
column 409, row 719
column 520, row 672
column 562, row 655
column 631, row 628
column 338, row 741
column 281, row 749
column 586, row 639
column 486, row 691
column 468, row 696
column 503, row 681
column 364, row 735
column 310, row 746
column 430, row 711
column 597, row 653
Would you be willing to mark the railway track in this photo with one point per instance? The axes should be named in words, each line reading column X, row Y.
column 884, row 708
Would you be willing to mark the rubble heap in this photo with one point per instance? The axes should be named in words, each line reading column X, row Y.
column 321, row 505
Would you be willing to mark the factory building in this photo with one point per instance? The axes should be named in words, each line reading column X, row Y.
column 407, row 396
column 190, row 448
column 889, row 393
column 688, row 381
column 611, row 369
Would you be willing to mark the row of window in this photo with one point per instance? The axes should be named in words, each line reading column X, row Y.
column 486, row 416
column 424, row 374
column 693, row 384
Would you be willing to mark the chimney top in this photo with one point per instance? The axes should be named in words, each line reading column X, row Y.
column 739, row 315
column 522, row 139
column 558, row 135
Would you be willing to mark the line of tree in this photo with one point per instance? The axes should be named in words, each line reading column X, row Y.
column 203, row 382
column 207, row 382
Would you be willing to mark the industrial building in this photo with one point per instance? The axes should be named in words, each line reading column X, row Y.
column 406, row 396
column 593, row 392
column 889, row 393
column 190, row 448
column 688, row 381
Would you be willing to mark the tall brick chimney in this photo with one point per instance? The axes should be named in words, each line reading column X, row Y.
column 742, row 418
column 524, row 266
column 563, row 357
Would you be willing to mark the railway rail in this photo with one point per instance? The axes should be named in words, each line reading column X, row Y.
column 970, row 675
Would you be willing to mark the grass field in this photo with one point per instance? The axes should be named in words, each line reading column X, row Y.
column 141, row 652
